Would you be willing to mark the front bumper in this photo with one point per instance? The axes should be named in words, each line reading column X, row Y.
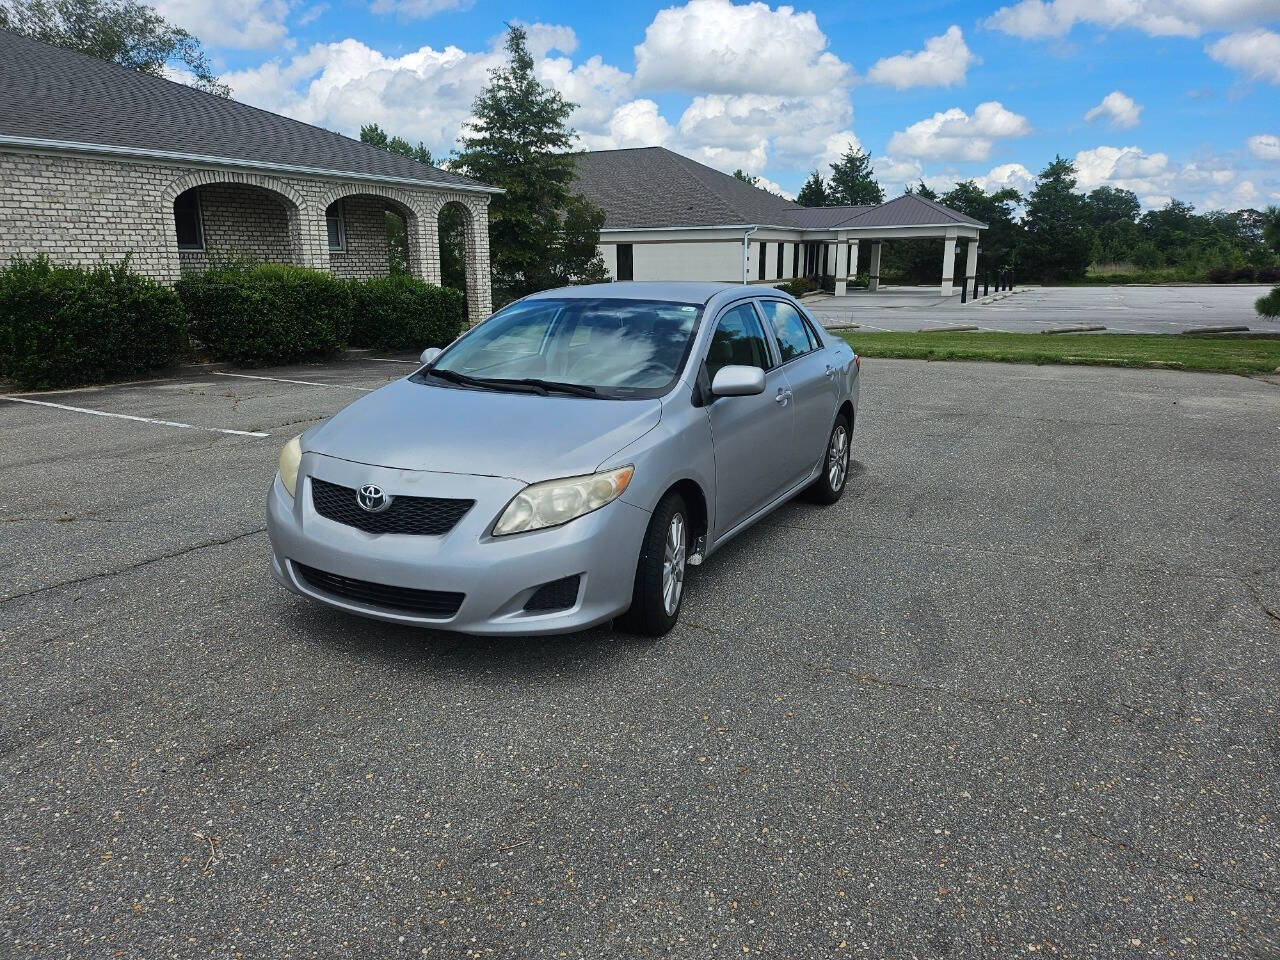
column 497, row 574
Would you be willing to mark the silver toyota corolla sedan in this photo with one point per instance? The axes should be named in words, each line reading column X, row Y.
column 563, row 463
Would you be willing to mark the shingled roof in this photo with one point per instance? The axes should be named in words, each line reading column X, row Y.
column 58, row 99
column 654, row 188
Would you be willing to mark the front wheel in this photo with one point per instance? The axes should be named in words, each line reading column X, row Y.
column 835, row 466
column 659, row 585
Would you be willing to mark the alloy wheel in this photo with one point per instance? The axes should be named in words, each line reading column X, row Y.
column 838, row 457
column 673, row 563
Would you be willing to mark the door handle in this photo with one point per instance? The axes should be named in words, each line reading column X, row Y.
column 831, row 371
column 783, row 396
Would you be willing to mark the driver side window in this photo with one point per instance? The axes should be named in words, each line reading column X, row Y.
column 739, row 340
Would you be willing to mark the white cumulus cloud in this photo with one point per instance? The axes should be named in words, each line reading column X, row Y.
column 1208, row 183
column 715, row 46
column 1119, row 110
column 955, row 135
column 1255, row 53
column 1265, row 146
column 942, row 63
column 244, row 24
column 1186, row 18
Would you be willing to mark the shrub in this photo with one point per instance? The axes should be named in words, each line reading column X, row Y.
column 1220, row 274
column 1268, row 275
column 267, row 313
column 798, row 287
column 1243, row 275
column 64, row 326
column 1269, row 306
column 403, row 312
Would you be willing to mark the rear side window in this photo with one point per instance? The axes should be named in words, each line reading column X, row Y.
column 738, row 340
column 788, row 329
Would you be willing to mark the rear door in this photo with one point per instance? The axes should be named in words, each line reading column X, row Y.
column 808, row 368
column 750, row 436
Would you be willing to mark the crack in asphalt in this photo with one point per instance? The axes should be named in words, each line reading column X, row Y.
column 135, row 566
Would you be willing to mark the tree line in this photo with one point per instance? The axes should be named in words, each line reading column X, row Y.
column 1056, row 232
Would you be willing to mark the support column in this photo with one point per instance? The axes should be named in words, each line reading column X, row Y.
column 971, row 265
column 874, row 285
column 853, row 260
column 948, row 264
column 842, row 267
column 309, row 237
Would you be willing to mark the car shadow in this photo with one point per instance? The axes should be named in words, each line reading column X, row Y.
column 500, row 659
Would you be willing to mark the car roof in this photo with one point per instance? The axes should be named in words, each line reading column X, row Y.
column 679, row 291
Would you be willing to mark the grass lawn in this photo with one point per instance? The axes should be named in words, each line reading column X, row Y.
column 1214, row 354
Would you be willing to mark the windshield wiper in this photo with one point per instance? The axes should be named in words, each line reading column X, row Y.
column 512, row 386
column 578, row 389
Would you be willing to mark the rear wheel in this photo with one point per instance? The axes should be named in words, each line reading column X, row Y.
column 835, row 465
column 660, row 572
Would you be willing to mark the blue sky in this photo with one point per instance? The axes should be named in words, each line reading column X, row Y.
column 1169, row 98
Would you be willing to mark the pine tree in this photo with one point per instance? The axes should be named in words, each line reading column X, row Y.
column 853, row 181
column 539, row 232
column 814, row 192
column 374, row 135
column 1059, row 239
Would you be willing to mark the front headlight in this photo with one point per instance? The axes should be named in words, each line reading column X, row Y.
column 554, row 502
column 290, row 458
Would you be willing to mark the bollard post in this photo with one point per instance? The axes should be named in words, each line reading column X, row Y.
column 964, row 291
column 986, row 284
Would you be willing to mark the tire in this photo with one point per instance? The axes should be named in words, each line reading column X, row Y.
column 651, row 613
column 834, row 477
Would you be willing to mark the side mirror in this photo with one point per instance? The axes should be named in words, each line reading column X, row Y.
column 738, row 381
column 430, row 354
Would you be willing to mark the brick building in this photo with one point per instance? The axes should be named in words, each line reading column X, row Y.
column 100, row 162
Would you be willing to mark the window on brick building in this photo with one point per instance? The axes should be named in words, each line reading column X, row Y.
column 337, row 226
column 186, row 220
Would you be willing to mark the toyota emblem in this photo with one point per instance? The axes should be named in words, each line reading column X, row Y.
column 371, row 498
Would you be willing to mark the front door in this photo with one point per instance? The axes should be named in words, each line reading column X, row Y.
column 750, row 436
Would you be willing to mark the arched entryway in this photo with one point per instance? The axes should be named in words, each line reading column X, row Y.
column 464, row 260
column 225, row 221
column 371, row 235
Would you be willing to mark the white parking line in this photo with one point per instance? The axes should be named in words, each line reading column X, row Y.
column 416, row 363
column 126, row 416
column 303, row 383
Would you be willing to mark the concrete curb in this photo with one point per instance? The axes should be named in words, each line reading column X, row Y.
column 1088, row 329
column 957, row 328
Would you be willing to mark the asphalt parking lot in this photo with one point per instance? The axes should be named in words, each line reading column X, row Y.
column 1177, row 308
column 1015, row 694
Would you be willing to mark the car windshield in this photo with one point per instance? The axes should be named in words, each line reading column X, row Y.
column 601, row 346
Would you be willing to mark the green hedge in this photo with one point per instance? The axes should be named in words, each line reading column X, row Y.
column 267, row 313
column 403, row 312
column 1269, row 306
column 65, row 326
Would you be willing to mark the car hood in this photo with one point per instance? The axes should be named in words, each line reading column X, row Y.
column 414, row 426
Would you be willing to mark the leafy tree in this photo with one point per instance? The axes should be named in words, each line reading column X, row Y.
column 853, row 181
column 1271, row 228
column 518, row 140
column 739, row 174
column 374, row 135
column 1112, row 204
column 814, row 192
column 922, row 189
column 1000, row 242
column 1059, row 238
column 123, row 32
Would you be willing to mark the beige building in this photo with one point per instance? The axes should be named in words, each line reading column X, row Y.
column 100, row 162
column 671, row 218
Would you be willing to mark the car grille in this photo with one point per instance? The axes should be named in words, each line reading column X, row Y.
column 556, row 595
column 428, row 603
column 420, row 516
